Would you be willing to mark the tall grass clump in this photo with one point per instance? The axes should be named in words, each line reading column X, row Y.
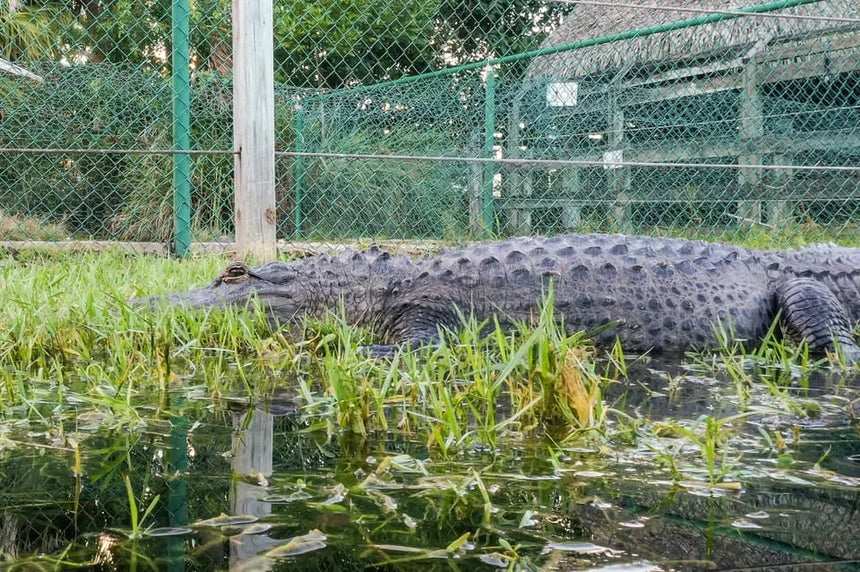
column 482, row 383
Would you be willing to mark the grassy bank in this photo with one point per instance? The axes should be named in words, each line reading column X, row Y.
column 68, row 328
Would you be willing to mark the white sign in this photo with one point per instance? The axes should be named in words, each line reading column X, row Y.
column 613, row 159
column 562, row 94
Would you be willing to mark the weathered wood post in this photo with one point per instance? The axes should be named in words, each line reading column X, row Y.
column 617, row 176
column 513, row 184
column 475, row 184
column 571, row 211
column 752, row 130
column 488, row 212
column 253, row 437
column 780, row 207
column 254, row 129
column 749, row 179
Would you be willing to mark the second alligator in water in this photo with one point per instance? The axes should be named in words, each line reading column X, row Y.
column 653, row 294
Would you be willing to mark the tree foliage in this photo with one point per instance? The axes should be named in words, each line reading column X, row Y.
column 29, row 32
column 473, row 30
column 333, row 43
column 318, row 43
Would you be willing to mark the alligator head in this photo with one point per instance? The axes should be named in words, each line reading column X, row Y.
column 237, row 286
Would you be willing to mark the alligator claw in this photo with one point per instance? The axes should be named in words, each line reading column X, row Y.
column 379, row 351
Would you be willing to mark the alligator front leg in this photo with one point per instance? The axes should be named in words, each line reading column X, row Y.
column 810, row 310
column 411, row 325
column 415, row 337
column 388, row 350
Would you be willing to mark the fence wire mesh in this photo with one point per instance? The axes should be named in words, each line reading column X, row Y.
column 443, row 119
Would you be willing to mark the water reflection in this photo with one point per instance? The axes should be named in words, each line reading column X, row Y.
column 177, row 491
column 252, row 466
column 381, row 501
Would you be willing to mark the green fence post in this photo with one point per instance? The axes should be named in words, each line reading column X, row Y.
column 487, row 214
column 181, row 129
column 299, row 169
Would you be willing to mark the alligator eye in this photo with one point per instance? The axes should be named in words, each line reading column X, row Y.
column 235, row 272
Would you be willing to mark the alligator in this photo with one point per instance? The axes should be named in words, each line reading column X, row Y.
column 652, row 294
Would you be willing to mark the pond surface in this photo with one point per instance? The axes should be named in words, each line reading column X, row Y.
column 221, row 484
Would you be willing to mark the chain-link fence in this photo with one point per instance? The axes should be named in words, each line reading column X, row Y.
column 442, row 119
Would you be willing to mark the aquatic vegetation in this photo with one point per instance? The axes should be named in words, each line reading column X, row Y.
column 137, row 518
column 125, row 432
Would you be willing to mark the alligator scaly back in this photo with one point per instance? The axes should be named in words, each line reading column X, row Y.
column 653, row 294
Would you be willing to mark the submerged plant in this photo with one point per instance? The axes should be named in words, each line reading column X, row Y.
column 775, row 364
column 137, row 518
column 709, row 435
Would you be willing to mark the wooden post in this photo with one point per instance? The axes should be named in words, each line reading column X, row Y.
column 517, row 183
column 475, row 182
column 476, row 188
column 571, row 183
column 524, row 215
column 252, row 459
column 512, row 184
column 752, row 129
column 749, row 183
column 254, row 129
column 488, row 213
column 780, row 207
column 617, row 177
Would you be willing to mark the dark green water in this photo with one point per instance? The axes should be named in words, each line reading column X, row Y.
column 387, row 503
